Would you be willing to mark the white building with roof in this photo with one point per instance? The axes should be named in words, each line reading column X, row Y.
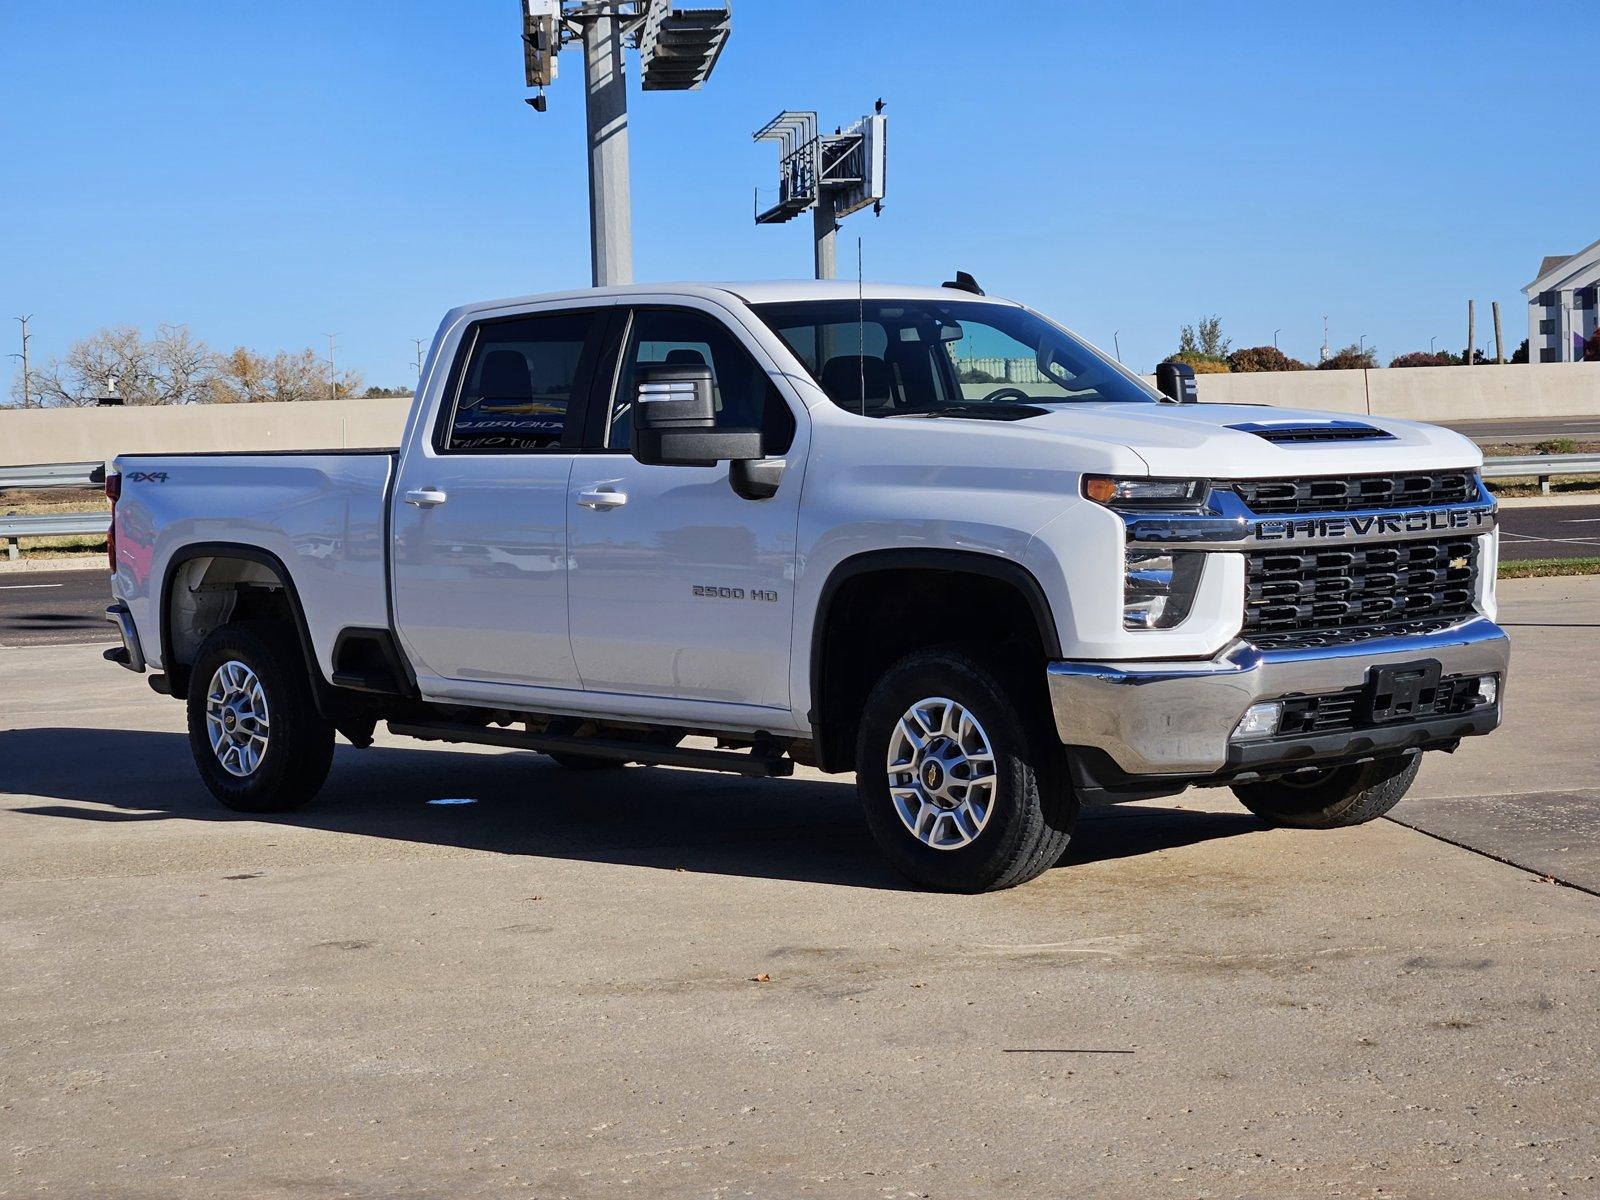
column 1561, row 306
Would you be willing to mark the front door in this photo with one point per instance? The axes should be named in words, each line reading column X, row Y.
column 679, row 586
column 480, row 508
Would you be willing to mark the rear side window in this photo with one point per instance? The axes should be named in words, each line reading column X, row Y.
column 519, row 383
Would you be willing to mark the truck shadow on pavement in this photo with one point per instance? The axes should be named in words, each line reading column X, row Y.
column 807, row 830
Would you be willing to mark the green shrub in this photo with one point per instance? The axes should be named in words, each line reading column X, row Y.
column 1203, row 364
column 1263, row 358
column 1351, row 358
column 1422, row 358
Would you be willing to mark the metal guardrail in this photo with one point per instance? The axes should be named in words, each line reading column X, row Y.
column 51, row 525
column 1541, row 467
column 1541, row 464
column 52, row 475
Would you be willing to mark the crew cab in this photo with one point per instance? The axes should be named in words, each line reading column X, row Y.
column 921, row 534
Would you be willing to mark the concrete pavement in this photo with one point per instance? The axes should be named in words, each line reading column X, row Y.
column 553, row 990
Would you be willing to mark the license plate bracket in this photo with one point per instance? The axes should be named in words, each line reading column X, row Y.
column 1402, row 691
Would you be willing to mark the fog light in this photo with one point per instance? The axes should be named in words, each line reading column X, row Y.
column 1489, row 688
column 1158, row 588
column 1259, row 720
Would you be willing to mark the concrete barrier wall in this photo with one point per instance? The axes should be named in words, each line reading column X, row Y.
column 1420, row 393
column 86, row 434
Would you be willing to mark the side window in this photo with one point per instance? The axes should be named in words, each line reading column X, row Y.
column 518, row 383
column 745, row 397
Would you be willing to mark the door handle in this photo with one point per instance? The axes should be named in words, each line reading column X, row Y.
column 425, row 497
column 602, row 498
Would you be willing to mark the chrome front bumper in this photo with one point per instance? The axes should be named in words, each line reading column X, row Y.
column 1178, row 717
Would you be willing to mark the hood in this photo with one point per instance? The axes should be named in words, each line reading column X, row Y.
column 1238, row 441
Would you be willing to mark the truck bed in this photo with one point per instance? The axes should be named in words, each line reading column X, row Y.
column 322, row 514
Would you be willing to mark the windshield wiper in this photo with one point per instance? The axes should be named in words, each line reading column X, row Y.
column 979, row 412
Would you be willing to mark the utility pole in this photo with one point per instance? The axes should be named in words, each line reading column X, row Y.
column 333, row 384
column 1324, row 337
column 27, row 381
column 606, row 102
column 1472, row 332
column 1499, row 341
column 418, row 362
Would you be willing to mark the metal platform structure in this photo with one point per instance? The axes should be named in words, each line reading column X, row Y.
column 833, row 175
column 678, row 48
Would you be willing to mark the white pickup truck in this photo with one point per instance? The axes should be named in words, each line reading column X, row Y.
column 921, row 534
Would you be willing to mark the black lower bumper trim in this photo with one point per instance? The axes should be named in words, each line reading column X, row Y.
column 1098, row 780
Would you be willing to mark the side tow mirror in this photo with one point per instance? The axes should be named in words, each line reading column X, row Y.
column 675, row 418
column 1175, row 380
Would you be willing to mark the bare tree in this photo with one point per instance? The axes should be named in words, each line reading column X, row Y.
column 245, row 377
column 171, row 368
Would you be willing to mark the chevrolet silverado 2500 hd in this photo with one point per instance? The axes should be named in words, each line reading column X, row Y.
column 918, row 533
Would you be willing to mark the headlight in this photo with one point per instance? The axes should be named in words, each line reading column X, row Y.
column 1146, row 493
column 1158, row 589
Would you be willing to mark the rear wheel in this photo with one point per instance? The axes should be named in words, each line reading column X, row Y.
column 254, row 730
column 1334, row 796
column 962, row 792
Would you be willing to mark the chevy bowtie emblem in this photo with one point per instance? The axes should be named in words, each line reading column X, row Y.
column 1458, row 564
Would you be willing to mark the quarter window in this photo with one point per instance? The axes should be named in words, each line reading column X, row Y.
column 519, row 383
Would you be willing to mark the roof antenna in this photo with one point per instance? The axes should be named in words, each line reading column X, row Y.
column 861, row 328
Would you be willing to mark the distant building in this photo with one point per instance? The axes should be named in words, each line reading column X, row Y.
column 1561, row 306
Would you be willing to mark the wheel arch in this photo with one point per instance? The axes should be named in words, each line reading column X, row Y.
column 178, row 670
column 829, row 725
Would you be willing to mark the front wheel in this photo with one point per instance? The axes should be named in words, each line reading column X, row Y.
column 1334, row 796
column 960, row 790
column 253, row 725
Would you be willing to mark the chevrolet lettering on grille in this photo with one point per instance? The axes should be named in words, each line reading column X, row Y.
column 1373, row 525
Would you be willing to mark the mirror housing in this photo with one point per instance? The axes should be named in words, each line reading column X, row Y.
column 675, row 419
column 1175, row 380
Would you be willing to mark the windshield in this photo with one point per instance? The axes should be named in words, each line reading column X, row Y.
column 888, row 358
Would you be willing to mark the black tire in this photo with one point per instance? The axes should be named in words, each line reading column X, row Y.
column 1332, row 798
column 299, row 748
column 1032, row 811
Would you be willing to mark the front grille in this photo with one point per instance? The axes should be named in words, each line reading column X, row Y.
column 1342, row 711
column 1301, row 597
column 1404, row 490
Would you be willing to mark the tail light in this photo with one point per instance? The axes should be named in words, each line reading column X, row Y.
column 113, row 494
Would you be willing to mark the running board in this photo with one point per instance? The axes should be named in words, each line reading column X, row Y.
column 639, row 752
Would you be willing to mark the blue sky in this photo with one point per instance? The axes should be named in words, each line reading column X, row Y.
column 267, row 172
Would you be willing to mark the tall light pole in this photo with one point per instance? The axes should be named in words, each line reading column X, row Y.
column 677, row 51
column 1361, row 343
column 333, row 385
column 1116, row 341
column 1431, row 341
column 606, row 105
column 27, row 381
column 1275, row 334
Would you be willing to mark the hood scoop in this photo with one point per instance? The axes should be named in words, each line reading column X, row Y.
column 1322, row 431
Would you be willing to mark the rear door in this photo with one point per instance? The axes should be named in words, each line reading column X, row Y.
column 480, row 508
column 680, row 587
